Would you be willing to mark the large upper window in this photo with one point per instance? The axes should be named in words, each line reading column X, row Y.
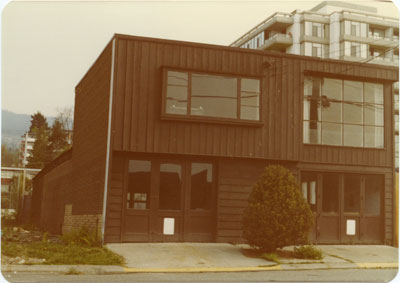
column 204, row 95
column 343, row 113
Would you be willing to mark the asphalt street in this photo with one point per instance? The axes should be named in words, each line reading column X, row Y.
column 335, row 275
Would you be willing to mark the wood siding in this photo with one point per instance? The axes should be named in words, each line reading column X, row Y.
column 138, row 127
column 115, row 200
column 90, row 136
column 235, row 183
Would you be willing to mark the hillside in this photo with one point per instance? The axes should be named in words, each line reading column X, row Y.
column 14, row 125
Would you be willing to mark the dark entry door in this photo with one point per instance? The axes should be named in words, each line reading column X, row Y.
column 169, row 201
column 348, row 208
column 329, row 208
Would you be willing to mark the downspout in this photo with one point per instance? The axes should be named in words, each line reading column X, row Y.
column 103, row 220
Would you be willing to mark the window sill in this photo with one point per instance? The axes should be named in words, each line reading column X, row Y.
column 211, row 120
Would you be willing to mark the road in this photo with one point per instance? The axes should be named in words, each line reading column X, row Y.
column 334, row 275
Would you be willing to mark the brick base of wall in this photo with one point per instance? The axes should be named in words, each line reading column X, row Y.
column 75, row 222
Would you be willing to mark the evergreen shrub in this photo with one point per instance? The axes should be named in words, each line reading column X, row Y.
column 277, row 214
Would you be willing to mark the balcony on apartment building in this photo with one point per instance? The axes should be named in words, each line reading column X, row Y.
column 383, row 57
column 277, row 41
column 379, row 38
column 277, row 20
column 369, row 18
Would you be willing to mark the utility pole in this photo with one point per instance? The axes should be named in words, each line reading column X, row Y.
column 24, row 176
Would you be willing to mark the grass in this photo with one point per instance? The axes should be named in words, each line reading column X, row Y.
column 302, row 252
column 56, row 253
column 307, row 252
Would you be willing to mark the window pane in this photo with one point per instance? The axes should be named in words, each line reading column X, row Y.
column 309, row 189
column 312, row 132
column 331, row 134
column 201, row 186
column 351, row 193
column 177, row 92
column 138, row 195
column 373, row 93
column 330, row 193
column 214, row 96
column 308, row 86
column 373, row 189
column 312, row 109
column 353, row 91
column 373, row 114
column 352, row 113
column 332, row 89
column 353, row 135
column 332, row 113
column 373, row 137
column 250, row 99
column 170, row 186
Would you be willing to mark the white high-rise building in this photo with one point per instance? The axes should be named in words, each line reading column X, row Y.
column 334, row 30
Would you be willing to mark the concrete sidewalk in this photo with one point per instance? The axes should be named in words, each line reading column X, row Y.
column 215, row 257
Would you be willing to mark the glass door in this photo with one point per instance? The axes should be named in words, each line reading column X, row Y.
column 168, row 224
column 328, row 229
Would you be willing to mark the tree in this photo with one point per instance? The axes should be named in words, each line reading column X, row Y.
column 277, row 214
column 57, row 139
column 38, row 121
column 40, row 154
column 66, row 117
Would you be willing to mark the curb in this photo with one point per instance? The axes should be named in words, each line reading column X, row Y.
column 98, row 270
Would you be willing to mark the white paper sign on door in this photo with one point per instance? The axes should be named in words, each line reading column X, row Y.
column 351, row 227
column 169, row 226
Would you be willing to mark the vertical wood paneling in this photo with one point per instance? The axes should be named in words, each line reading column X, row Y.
column 128, row 95
column 140, row 128
column 143, row 96
column 135, row 99
column 119, row 99
column 157, row 102
column 151, row 102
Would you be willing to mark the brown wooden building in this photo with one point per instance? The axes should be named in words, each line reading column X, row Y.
column 169, row 138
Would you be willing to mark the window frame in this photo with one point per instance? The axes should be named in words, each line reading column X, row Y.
column 209, row 119
column 342, row 123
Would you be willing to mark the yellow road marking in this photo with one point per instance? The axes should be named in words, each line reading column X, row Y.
column 378, row 264
column 201, row 269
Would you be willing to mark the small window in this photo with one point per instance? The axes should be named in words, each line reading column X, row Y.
column 373, row 195
column 177, row 89
column 170, row 186
column 330, row 193
column 353, row 51
column 201, row 183
column 309, row 189
column 210, row 95
column 314, row 30
column 353, row 30
column 352, row 185
column 138, row 184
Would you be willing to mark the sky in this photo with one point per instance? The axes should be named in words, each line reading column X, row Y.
column 48, row 46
